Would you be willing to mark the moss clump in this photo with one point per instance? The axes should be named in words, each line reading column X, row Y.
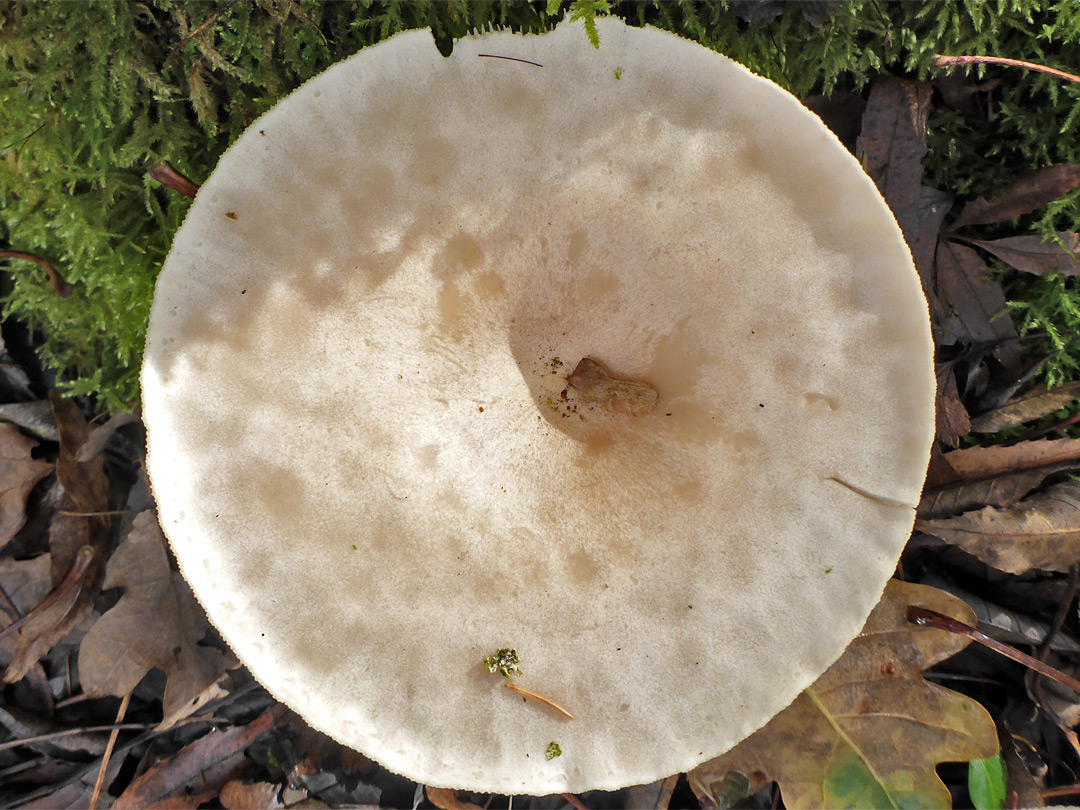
column 504, row 661
column 92, row 94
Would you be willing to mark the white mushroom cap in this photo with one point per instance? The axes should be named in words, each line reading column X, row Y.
column 362, row 457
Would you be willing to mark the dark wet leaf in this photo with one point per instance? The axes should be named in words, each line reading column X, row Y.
column 891, row 149
column 1035, row 404
column 1026, row 194
column 1035, row 255
column 977, row 300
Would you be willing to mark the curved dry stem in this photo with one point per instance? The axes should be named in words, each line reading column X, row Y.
column 941, row 60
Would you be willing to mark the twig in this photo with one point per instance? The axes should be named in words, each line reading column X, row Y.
column 70, row 732
column 167, row 175
column 574, row 801
column 93, row 514
column 108, row 751
column 510, row 59
column 551, row 704
column 146, row 736
column 1043, row 650
column 205, row 24
column 940, row 60
column 63, row 289
column 1066, row 790
column 931, row 618
column 9, row 605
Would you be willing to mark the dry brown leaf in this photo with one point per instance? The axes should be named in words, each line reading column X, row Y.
column 448, row 800
column 1042, row 531
column 869, row 732
column 595, row 384
column 1026, row 194
column 205, row 766
column 977, row 300
column 1033, row 254
column 76, row 544
column 953, row 422
column 240, row 795
column 1035, row 404
column 19, row 473
column 995, row 476
column 156, row 623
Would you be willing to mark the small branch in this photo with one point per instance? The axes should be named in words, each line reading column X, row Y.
column 931, row 618
column 93, row 514
column 551, row 704
column 63, row 289
column 510, row 59
column 108, row 751
column 9, row 604
column 574, row 801
column 940, row 60
column 165, row 174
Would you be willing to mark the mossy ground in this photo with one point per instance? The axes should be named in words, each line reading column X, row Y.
column 94, row 93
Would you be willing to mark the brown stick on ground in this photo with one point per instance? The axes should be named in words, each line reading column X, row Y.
column 63, row 289
column 931, row 618
column 952, row 61
column 165, row 174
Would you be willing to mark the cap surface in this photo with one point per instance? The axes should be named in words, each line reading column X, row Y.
column 358, row 438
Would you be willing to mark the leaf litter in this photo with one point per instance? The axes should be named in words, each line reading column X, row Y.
column 870, row 730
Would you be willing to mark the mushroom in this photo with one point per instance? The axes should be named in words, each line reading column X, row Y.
column 374, row 472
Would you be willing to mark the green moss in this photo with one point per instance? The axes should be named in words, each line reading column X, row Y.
column 504, row 661
column 94, row 93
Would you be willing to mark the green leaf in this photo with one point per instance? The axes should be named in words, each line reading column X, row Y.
column 987, row 781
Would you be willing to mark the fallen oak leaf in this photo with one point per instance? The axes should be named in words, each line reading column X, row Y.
column 869, row 732
column 1035, row 255
column 995, row 476
column 19, row 473
column 1027, row 193
column 156, row 623
column 1041, row 531
column 1035, row 404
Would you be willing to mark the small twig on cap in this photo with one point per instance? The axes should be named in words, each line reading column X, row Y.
column 941, row 60
column 510, row 59
column 551, row 704
column 63, row 289
column 931, row 618
column 167, row 175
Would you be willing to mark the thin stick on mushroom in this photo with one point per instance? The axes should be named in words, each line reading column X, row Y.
column 551, row 704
